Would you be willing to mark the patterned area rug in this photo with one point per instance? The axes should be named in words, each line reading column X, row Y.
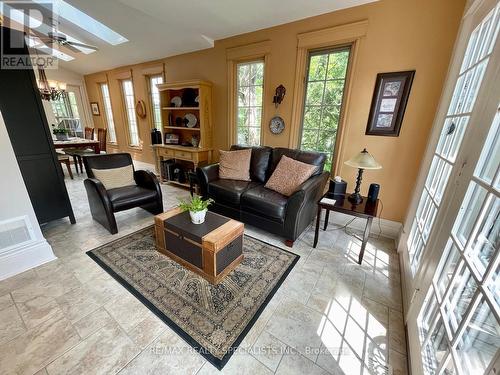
column 213, row 319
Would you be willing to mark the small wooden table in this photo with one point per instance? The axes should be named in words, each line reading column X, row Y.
column 366, row 210
column 212, row 249
column 78, row 143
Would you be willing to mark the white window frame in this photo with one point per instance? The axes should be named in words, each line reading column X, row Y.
column 133, row 134
column 108, row 111
column 237, row 106
column 154, row 100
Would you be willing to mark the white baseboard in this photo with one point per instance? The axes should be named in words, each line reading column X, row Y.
column 24, row 257
column 390, row 229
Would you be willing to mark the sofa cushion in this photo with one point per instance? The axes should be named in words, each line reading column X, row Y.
column 235, row 165
column 308, row 157
column 265, row 202
column 259, row 162
column 115, row 177
column 123, row 198
column 228, row 191
column 289, row 175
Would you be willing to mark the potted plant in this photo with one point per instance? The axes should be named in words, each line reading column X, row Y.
column 61, row 133
column 197, row 208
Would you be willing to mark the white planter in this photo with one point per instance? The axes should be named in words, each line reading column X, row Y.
column 198, row 217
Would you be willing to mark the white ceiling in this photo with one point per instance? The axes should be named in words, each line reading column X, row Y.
column 157, row 29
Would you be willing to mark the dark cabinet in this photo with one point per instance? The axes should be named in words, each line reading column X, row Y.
column 29, row 133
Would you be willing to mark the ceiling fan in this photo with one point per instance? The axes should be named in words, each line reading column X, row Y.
column 62, row 40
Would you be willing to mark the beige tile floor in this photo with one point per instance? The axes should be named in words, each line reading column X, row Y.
column 331, row 316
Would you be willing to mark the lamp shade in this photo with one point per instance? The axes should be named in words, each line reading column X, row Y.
column 363, row 160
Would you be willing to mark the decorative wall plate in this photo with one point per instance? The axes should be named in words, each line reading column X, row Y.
column 190, row 120
column 276, row 125
column 176, row 101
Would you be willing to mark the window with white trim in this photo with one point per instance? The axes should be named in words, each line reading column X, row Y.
column 108, row 112
column 129, row 100
column 324, row 96
column 250, row 92
column 154, row 96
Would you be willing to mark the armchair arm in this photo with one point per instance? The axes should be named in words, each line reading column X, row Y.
column 302, row 205
column 100, row 204
column 206, row 175
column 148, row 180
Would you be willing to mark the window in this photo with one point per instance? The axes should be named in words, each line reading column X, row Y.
column 249, row 90
column 155, row 100
column 108, row 112
column 325, row 82
column 128, row 97
column 62, row 108
column 66, row 113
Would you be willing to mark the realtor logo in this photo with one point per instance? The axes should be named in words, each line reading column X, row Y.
column 27, row 22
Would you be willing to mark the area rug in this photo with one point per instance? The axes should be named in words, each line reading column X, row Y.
column 213, row 319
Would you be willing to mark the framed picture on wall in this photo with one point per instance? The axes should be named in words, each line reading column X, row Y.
column 95, row 108
column 389, row 103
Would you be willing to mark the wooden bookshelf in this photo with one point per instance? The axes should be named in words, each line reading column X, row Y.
column 203, row 129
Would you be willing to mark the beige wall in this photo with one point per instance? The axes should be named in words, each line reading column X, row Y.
column 401, row 35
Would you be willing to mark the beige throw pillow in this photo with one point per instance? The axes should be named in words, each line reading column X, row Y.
column 289, row 175
column 235, row 165
column 115, row 177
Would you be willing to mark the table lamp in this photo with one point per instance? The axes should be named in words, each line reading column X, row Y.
column 362, row 161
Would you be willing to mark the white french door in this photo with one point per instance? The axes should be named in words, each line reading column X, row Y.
column 450, row 243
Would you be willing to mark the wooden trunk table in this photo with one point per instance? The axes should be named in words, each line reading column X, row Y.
column 212, row 249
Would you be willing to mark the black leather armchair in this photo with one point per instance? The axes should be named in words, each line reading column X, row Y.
column 104, row 203
column 250, row 202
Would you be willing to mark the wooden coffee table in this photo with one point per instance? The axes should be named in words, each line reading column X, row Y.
column 212, row 249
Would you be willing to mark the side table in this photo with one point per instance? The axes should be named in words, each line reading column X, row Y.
column 366, row 210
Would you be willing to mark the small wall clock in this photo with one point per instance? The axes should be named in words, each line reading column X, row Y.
column 276, row 125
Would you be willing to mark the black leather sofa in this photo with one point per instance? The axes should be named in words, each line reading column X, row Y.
column 104, row 203
column 251, row 203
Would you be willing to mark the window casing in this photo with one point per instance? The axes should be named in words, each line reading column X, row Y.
column 249, row 96
column 108, row 112
column 323, row 100
column 154, row 96
column 129, row 102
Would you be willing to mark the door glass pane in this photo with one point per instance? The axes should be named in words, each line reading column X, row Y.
column 436, row 348
column 428, row 315
column 493, row 284
column 468, row 213
column 327, row 71
column 446, row 268
column 490, row 156
column 487, row 238
column 459, row 298
column 480, row 341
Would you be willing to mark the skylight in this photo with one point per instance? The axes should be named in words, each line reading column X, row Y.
column 89, row 24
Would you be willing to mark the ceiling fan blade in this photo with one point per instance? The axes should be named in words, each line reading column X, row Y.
column 74, row 44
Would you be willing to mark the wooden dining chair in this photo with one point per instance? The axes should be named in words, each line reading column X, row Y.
column 75, row 152
column 101, row 138
column 64, row 159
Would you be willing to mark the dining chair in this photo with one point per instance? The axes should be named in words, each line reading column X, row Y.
column 76, row 152
column 79, row 154
column 64, row 159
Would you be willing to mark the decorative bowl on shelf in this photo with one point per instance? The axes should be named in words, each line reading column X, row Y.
column 190, row 120
column 176, row 101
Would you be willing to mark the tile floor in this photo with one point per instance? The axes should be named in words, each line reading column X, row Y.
column 331, row 316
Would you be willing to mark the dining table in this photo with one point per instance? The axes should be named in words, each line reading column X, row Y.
column 77, row 142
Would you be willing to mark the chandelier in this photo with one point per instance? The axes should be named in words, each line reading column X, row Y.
column 49, row 90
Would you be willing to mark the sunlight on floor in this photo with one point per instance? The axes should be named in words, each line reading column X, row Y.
column 354, row 337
